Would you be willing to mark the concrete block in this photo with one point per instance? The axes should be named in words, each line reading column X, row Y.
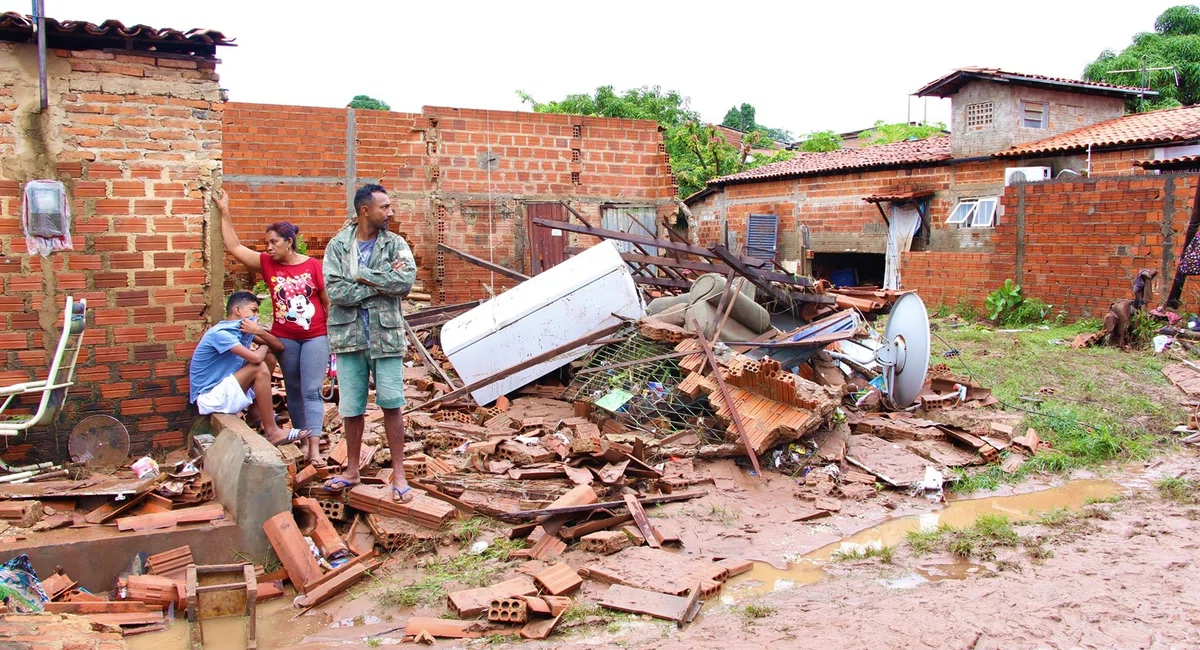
column 250, row 479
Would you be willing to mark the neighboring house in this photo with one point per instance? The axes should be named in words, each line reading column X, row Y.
column 734, row 137
column 954, row 216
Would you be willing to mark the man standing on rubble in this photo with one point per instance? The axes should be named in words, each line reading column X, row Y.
column 368, row 271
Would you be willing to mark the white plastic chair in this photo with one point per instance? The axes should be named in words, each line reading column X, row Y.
column 61, row 377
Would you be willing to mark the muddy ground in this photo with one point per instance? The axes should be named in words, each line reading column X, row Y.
column 1119, row 571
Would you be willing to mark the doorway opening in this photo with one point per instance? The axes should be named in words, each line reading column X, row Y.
column 850, row 269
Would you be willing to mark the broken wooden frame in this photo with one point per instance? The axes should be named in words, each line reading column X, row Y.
column 248, row 584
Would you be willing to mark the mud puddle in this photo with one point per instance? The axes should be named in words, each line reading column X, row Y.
column 809, row 568
column 275, row 630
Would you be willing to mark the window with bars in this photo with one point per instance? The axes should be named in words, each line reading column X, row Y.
column 1034, row 114
column 979, row 114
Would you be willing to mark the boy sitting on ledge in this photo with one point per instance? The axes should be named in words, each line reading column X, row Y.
column 228, row 371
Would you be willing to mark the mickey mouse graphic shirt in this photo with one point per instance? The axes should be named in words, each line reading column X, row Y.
column 299, row 314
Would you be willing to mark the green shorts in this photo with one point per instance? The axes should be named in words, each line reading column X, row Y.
column 353, row 369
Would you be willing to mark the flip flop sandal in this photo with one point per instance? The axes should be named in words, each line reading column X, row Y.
column 338, row 481
column 398, row 494
column 292, row 436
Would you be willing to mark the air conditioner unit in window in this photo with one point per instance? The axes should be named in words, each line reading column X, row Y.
column 1025, row 175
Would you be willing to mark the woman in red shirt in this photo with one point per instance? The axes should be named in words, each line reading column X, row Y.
column 297, row 286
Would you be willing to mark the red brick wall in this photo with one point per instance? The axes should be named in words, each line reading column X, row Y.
column 442, row 192
column 1084, row 240
column 133, row 138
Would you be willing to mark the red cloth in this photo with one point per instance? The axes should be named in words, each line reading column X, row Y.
column 295, row 289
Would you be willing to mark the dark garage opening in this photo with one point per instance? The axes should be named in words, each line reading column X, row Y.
column 850, row 269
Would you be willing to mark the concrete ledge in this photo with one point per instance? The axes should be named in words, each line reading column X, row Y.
column 250, row 479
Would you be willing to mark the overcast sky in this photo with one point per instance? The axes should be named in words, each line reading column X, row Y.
column 804, row 65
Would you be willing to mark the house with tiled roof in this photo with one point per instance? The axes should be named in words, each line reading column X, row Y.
column 1042, row 179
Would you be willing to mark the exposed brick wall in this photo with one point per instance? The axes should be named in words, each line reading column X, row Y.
column 456, row 176
column 1083, row 241
column 133, row 138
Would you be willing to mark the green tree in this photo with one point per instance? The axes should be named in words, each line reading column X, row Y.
column 698, row 152
column 1174, row 44
column 743, row 119
column 822, row 141
column 369, row 103
column 884, row 133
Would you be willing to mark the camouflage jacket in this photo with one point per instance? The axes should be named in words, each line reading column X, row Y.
column 380, row 291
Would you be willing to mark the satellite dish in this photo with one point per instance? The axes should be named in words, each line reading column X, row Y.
column 99, row 441
column 905, row 352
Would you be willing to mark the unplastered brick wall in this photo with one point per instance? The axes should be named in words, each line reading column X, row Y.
column 1084, row 241
column 1080, row 242
column 460, row 177
column 133, row 138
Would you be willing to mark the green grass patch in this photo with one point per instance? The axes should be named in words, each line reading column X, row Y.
column 1179, row 490
column 1056, row 517
column 467, row 569
column 885, row 554
column 978, row 540
column 580, row 611
column 1107, row 405
column 756, row 611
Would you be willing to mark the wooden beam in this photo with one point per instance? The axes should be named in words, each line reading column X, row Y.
column 426, row 357
column 733, row 410
column 529, row 363
column 577, row 215
column 750, row 274
column 607, row 505
column 620, row 236
column 495, row 268
column 662, row 282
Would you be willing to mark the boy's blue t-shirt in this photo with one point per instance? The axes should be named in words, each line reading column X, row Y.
column 212, row 361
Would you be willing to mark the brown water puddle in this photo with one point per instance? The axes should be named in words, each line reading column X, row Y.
column 764, row 578
column 275, row 630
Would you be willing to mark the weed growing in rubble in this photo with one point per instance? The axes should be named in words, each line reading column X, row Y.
column 886, row 554
column 436, row 573
column 1056, row 517
column 374, row 642
column 979, row 540
column 756, row 611
column 1179, row 490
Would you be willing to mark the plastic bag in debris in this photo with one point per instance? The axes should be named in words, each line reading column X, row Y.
column 145, row 467
column 1161, row 342
column 46, row 217
column 931, row 485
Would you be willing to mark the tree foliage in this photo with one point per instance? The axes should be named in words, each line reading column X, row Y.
column 369, row 103
column 698, row 152
column 1175, row 42
column 743, row 119
column 884, row 133
column 822, row 141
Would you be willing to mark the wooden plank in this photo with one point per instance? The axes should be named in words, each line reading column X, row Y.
column 625, row 237
column 587, row 528
column 93, row 487
column 733, row 409
column 482, row 263
column 198, row 514
column 331, row 588
column 607, row 505
column 112, row 509
column 106, row 607
column 541, row 358
column 425, row 356
column 642, row 521
column 651, row 603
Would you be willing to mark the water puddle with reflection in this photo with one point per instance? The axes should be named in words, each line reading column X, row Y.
column 808, row 569
column 274, row 630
